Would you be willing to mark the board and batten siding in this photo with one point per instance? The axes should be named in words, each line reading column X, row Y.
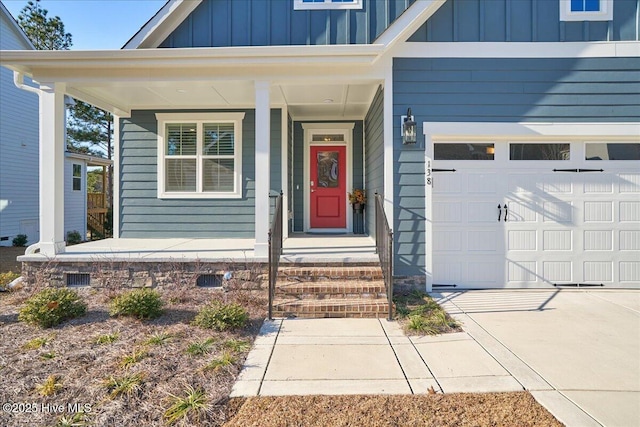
column 19, row 142
column 524, row 21
column 494, row 90
column 222, row 23
column 374, row 157
column 299, row 181
column 144, row 215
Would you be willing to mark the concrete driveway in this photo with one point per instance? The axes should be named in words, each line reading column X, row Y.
column 577, row 351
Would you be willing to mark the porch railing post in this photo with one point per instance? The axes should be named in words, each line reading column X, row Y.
column 384, row 249
column 274, row 239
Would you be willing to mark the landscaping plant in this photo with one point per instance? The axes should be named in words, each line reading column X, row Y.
column 140, row 303
column 52, row 306
column 419, row 314
column 194, row 405
column 221, row 316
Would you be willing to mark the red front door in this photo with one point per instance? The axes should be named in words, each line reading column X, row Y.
column 328, row 186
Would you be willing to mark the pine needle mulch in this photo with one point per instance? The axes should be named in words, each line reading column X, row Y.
column 455, row 409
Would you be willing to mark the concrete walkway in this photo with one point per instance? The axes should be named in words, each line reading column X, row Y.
column 365, row 356
column 576, row 351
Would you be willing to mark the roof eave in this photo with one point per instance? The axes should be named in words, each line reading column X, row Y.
column 28, row 61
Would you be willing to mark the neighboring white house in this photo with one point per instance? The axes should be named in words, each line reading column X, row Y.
column 18, row 145
column 76, row 203
column 19, row 171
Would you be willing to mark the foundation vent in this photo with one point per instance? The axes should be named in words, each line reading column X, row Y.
column 78, row 279
column 209, row 280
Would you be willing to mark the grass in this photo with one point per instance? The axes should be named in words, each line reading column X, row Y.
column 48, row 355
column 76, row 420
column 131, row 359
column 194, row 405
column 107, row 338
column 418, row 313
column 159, row 338
column 200, row 348
column 444, row 410
column 37, row 343
column 237, row 346
column 49, row 387
column 225, row 360
column 125, row 385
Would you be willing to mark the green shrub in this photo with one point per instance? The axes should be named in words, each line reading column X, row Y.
column 73, row 237
column 20, row 240
column 221, row 316
column 140, row 303
column 52, row 306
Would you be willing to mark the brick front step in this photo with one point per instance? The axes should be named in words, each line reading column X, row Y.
column 376, row 308
column 309, row 273
column 343, row 289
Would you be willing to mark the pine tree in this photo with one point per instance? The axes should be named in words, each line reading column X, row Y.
column 43, row 32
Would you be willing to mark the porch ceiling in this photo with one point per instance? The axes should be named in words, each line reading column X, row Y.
column 310, row 100
column 315, row 82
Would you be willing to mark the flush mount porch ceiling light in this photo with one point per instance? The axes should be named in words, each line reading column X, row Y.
column 409, row 128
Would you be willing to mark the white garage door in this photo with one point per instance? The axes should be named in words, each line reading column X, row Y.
column 535, row 214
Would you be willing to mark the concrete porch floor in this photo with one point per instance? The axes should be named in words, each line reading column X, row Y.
column 297, row 248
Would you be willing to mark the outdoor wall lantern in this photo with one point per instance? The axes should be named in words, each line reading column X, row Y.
column 409, row 129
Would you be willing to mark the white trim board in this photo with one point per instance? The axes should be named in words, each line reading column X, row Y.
column 517, row 50
column 162, row 24
column 526, row 130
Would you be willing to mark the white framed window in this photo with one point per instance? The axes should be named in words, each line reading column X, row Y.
column 77, row 177
column 586, row 10
column 326, row 4
column 199, row 155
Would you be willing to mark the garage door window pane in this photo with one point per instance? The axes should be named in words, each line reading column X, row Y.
column 442, row 151
column 539, row 152
column 613, row 151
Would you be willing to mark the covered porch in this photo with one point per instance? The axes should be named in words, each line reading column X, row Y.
column 281, row 98
column 297, row 248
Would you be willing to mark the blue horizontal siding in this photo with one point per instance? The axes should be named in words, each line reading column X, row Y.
column 495, row 90
column 524, row 21
column 143, row 215
column 374, row 155
column 220, row 23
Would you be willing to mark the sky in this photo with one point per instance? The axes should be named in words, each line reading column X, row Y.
column 96, row 24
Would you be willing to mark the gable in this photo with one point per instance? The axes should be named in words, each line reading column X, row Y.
column 11, row 35
column 524, row 21
column 222, row 23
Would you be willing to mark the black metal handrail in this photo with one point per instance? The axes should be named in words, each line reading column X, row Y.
column 384, row 249
column 275, row 249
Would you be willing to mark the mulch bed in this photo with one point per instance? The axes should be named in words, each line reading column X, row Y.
column 455, row 409
column 82, row 365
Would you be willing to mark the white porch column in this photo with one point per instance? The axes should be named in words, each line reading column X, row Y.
column 52, row 141
column 388, row 145
column 262, row 164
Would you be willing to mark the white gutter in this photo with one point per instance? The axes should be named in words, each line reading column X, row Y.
column 18, row 80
